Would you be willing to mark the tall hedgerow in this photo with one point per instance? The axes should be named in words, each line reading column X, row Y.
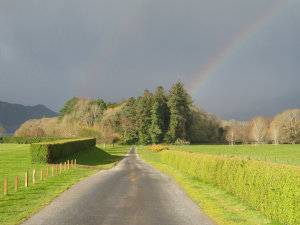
column 273, row 189
column 51, row 151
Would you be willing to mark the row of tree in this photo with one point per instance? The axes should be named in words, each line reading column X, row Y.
column 160, row 117
column 151, row 118
column 283, row 128
column 163, row 117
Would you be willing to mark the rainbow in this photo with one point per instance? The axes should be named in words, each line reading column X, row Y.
column 236, row 43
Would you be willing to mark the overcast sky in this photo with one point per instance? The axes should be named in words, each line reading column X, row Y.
column 51, row 51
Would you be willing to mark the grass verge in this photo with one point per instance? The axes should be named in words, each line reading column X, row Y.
column 223, row 207
column 15, row 160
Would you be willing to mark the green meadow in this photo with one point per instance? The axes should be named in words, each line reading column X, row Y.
column 15, row 161
column 285, row 154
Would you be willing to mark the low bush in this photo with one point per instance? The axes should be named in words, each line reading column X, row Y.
column 51, row 151
column 181, row 142
column 157, row 148
column 28, row 140
column 273, row 189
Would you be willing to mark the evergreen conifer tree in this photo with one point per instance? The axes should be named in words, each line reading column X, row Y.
column 159, row 116
column 179, row 102
column 143, row 117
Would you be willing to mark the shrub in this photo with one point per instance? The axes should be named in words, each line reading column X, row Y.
column 29, row 140
column 51, row 151
column 273, row 189
column 157, row 148
column 181, row 142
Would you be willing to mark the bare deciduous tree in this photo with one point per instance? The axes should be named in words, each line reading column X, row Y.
column 245, row 132
column 259, row 129
column 291, row 125
column 275, row 129
column 126, row 124
column 2, row 130
column 38, row 132
column 69, row 126
column 233, row 134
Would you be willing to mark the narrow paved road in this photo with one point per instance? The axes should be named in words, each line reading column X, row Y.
column 132, row 193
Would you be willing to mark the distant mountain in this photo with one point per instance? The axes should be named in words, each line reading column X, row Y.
column 13, row 115
column 266, row 108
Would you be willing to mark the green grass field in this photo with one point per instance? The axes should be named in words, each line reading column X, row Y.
column 15, row 160
column 223, row 207
column 286, row 154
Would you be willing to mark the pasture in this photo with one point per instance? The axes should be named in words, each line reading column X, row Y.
column 15, row 161
column 285, row 154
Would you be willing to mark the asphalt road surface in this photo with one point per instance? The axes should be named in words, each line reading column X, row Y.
column 132, row 193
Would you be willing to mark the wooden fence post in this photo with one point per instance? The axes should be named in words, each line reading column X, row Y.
column 56, row 169
column 52, row 170
column 33, row 176
column 75, row 163
column 47, row 171
column 65, row 165
column 60, row 166
column 41, row 176
column 68, row 164
column 16, row 183
column 72, row 163
column 5, row 186
column 26, row 179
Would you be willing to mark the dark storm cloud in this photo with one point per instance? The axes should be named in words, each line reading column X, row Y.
column 53, row 50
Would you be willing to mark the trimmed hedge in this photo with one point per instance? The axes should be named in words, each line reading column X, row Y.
column 28, row 140
column 273, row 189
column 51, row 151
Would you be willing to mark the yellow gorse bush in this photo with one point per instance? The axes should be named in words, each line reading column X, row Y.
column 157, row 148
column 273, row 189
